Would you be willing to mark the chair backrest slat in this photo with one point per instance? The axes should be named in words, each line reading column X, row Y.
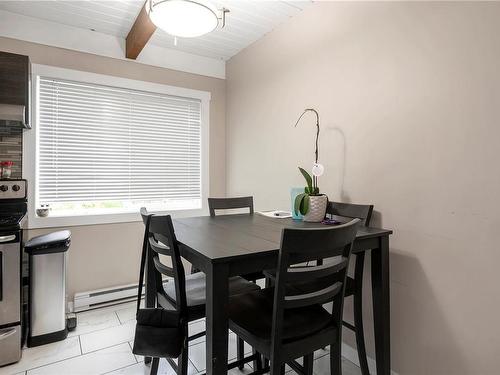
column 162, row 240
column 229, row 204
column 315, row 272
column 317, row 297
column 156, row 245
column 162, row 268
column 351, row 210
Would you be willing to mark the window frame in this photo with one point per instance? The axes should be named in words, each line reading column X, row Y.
column 30, row 145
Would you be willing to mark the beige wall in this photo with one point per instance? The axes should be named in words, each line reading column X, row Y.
column 108, row 255
column 409, row 97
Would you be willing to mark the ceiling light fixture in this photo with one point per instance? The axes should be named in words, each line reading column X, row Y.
column 185, row 18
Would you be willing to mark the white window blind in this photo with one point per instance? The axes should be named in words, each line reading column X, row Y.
column 106, row 149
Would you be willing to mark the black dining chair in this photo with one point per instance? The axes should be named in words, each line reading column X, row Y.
column 187, row 294
column 354, row 285
column 160, row 239
column 283, row 323
column 230, row 204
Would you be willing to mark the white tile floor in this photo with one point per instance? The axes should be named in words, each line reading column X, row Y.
column 102, row 344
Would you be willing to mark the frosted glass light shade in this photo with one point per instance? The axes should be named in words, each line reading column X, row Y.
column 183, row 18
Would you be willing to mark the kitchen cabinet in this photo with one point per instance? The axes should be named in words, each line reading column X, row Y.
column 15, row 81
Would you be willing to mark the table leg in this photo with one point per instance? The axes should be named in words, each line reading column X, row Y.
column 217, row 319
column 381, row 306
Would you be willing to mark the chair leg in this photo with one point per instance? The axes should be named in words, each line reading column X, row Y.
column 358, row 313
column 257, row 363
column 308, row 364
column 277, row 368
column 269, row 282
column 335, row 358
column 266, row 362
column 183, row 362
column 154, row 366
column 240, row 350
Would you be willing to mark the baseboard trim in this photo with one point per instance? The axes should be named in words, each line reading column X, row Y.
column 351, row 354
column 104, row 297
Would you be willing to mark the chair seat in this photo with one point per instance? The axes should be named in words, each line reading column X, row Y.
column 252, row 312
column 196, row 287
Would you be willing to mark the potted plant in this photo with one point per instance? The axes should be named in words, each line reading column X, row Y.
column 311, row 204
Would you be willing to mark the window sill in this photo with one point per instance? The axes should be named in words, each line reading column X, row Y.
column 35, row 222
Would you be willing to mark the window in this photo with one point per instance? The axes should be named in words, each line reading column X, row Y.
column 108, row 149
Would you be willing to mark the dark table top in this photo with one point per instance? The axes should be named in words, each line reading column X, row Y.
column 229, row 236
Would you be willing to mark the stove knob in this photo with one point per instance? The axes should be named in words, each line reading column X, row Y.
column 16, row 188
column 4, row 188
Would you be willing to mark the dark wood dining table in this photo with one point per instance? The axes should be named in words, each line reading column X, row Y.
column 230, row 245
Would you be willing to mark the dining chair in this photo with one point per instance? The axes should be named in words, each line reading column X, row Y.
column 230, row 204
column 283, row 323
column 354, row 285
column 160, row 239
column 185, row 293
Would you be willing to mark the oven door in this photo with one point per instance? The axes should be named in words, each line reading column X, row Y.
column 10, row 278
column 10, row 345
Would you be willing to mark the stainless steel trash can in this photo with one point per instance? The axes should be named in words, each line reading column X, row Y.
column 47, row 297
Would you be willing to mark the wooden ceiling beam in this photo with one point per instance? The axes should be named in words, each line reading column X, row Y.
column 139, row 34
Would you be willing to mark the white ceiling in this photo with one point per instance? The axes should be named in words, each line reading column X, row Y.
column 247, row 21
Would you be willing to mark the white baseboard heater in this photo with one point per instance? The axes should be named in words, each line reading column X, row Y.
column 104, row 297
